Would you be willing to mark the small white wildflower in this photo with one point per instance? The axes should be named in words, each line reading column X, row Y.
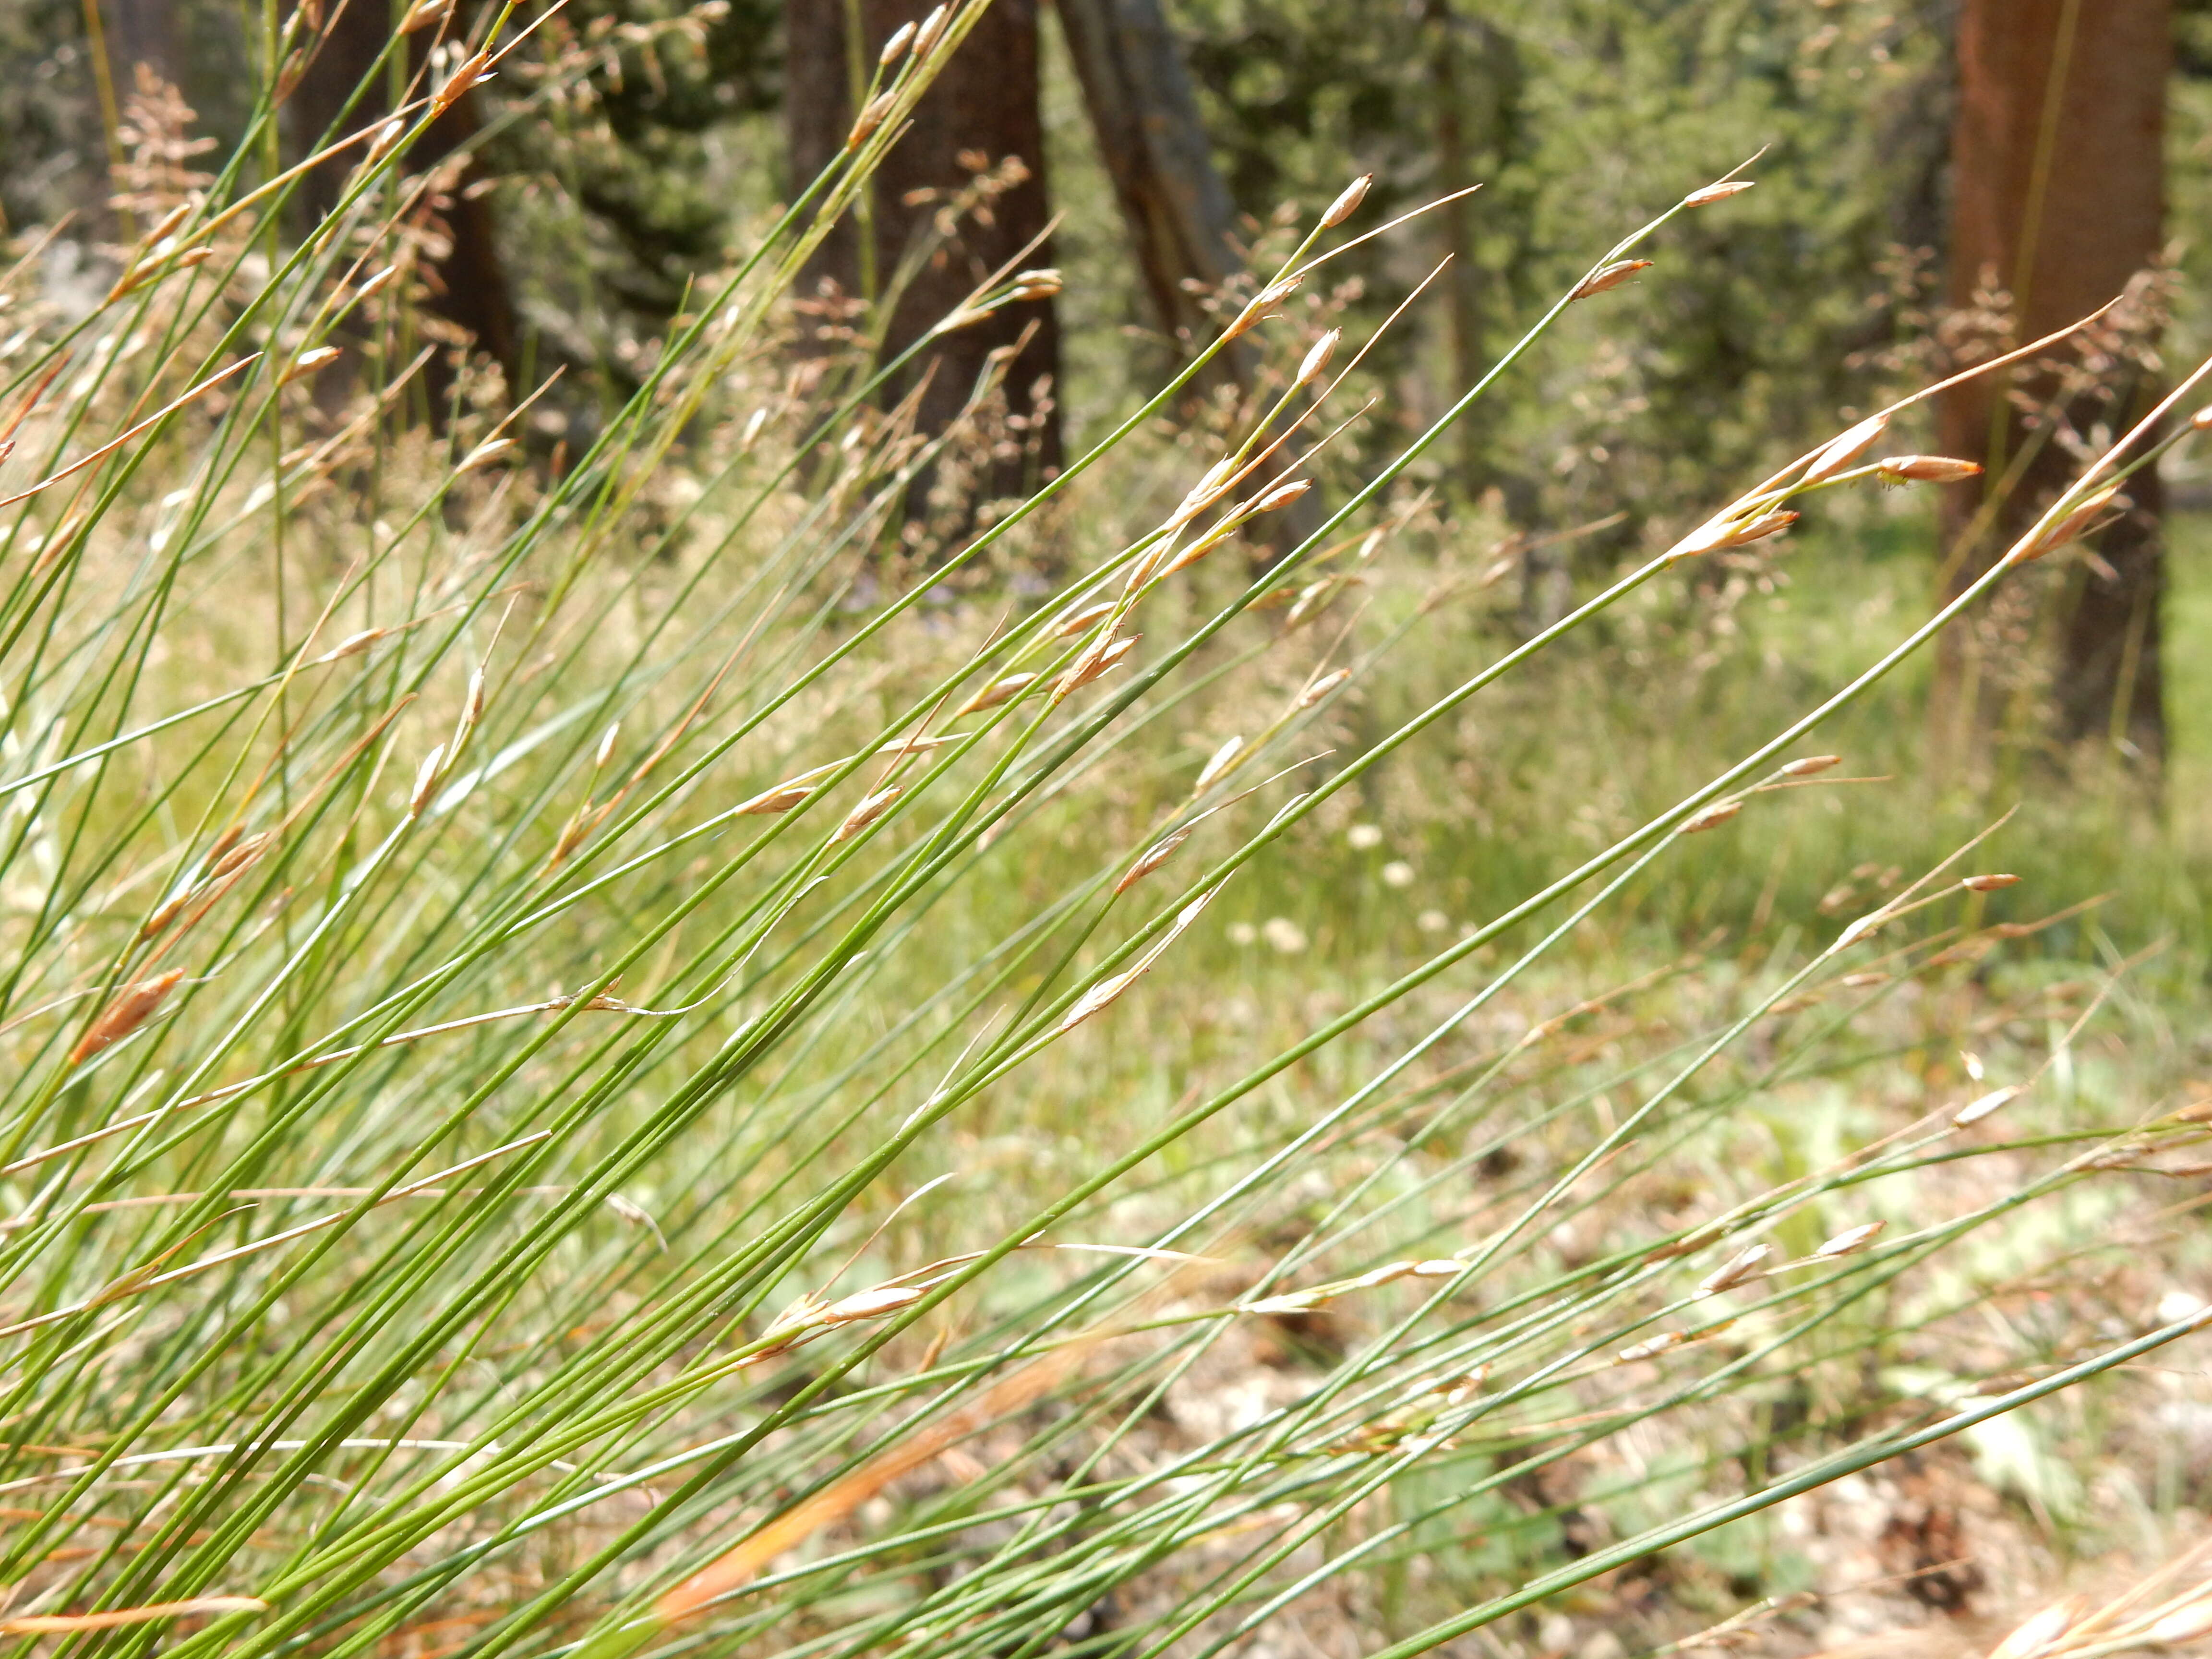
column 1398, row 873
column 1284, row 935
column 1242, row 933
column 1433, row 922
column 1365, row 835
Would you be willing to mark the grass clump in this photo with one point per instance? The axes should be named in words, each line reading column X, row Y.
column 599, row 1066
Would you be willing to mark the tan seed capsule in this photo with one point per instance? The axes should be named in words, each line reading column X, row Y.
column 1348, row 202
column 606, row 748
column 160, row 921
column 1218, row 766
column 1282, row 496
column 2037, row 1635
column 895, row 48
column 1609, row 276
column 426, row 779
column 133, row 1005
column 872, row 1304
column 1039, row 284
column 1151, row 858
column 1720, row 534
column 1713, row 816
column 1975, row 1111
column 309, row 360
column 1719, row 192
column 1651, row 1347
column 1316, row 361
column 1077, row 622
column 378, row 282
column 867, row 813
column 2070, row 527
column 1844, row 450
column 1260, row 304
column 249, row 848
column 997, row 692
column 2184, row 1624
column 933, row 30
column 484, row 454
column 871, row 118
column 1104, row 653
column 1734, row 1272
column 1925, row 468
column 1811, row 764
column 781, row 799
column 1321, row 688
column 1989, row 884
column 1849, row 1242
column 2201, row 419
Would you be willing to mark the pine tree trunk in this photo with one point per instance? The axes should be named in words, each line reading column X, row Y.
column 2057, row 199
column 468, row 286
column 981, row 112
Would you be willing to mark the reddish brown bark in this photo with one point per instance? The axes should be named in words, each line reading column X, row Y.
column 983, row 109
column 470, row 287
column 2056, row 160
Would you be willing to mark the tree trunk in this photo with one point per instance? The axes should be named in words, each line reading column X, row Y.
column 468, row 286
column 1145, row 112
column 980, row 121
column 2057, row 200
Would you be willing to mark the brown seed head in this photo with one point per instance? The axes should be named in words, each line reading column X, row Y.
column 1734, row 1271
column 1223, row 758
column 133, row 1005
column 423, row 13
column 160, row 921
column 1103, row 653
column 1259, row 305
column 1316, row 361
column 996, row 692
column 2040, row 1633
column 1719, row 192
column 1850, row 1240
column 1980, row 1108
column 781, row 799
column 2184, row 1624
column 1840, row 453
column 1282, row 496
column 484, row 454
column 1039, row 284
column 2201, row 419
column 869, row 118
column 1608, row 276
column 1989, row 884
column 1722, row 534
column 473, row 72
column 1925, row 468
column 1079, row 621
column 378, row 282
column 1712, row 817
column 933, row 30
column 1811, row 764
column 1151, row 858
column 2070, row 527
column 426, row 779
column 895, row 48
column 1321, row 688
column 248, row 848
column 867, row 813
column 1348, row 202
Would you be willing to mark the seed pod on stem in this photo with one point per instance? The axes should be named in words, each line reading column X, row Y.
column 933, row 30
column 1844, row 450
column 1975, row 1111
column 133, row 1006
column 2040, row 1633
column 1811, row 764
column 1316, row 361
column 996, row 692
column 1218, row 766
column 1712, row 817
column 1151, row 858
column 1608, row 276
column 1259, row 305
column 2068, row 528
column 1719, row 192
column 1924, row 469
column 1849, row 1242
column 1103, row 653
column 1734, row 1271
column 895, row 48
column 426, row 779
column 1989, row 884
column 869, row 118
column 867, row 813
column 1282, row 496
column 1348, row 202
column 1321, row 688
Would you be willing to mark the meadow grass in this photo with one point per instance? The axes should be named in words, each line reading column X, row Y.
column 602, row 1063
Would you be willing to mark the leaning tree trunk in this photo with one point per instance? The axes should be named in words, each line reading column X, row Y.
column 469, row 287
column 1145, row 112
column 2057, row 200
column 979, row 122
